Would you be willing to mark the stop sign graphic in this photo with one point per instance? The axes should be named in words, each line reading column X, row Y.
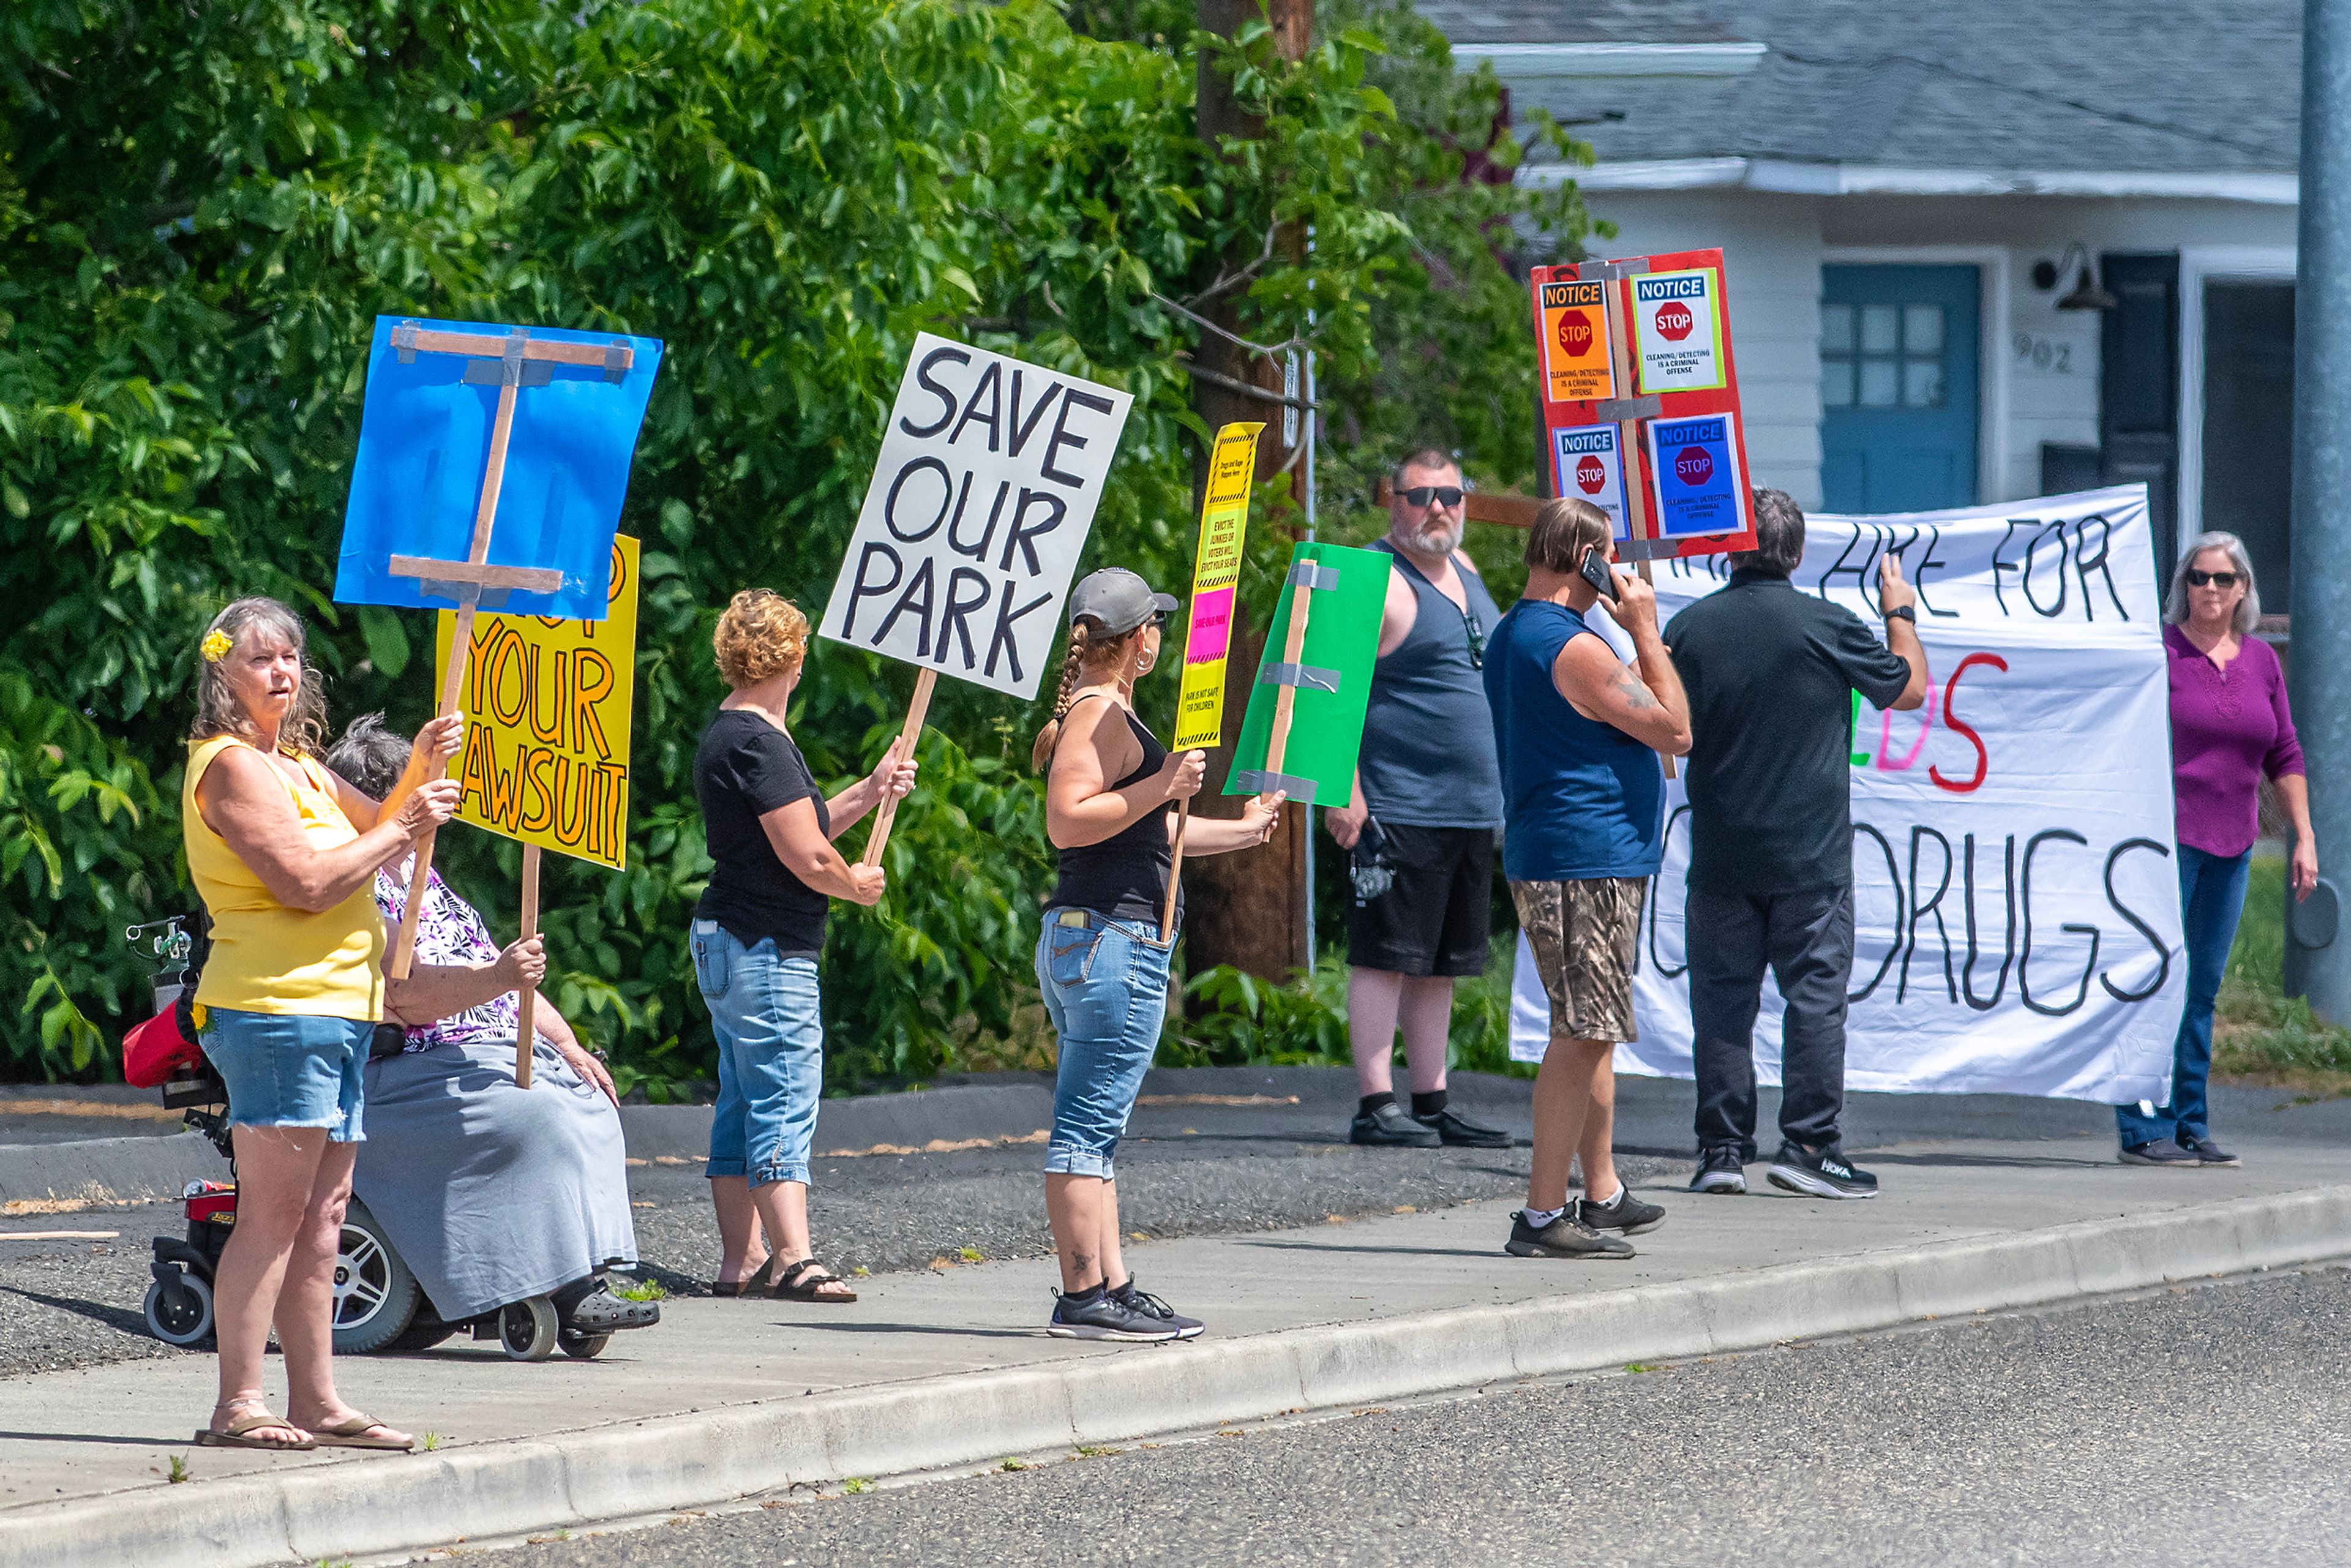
column 1674, row 321
column 1692, row 464
column 1575, row 331
column 1590, row 474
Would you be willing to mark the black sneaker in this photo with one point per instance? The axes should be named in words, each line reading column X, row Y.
column 1826, row 1174
column 1459, row 1131
column 1625, row 1214
column 1565, row 1236
column 1144, row 1301
column 1392, row 1126
column 1106, row 1317
column 2208, row 1153
column 2161, row 1151
column 1719, row 1169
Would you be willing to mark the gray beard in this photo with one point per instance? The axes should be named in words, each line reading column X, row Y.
column 1429, row 546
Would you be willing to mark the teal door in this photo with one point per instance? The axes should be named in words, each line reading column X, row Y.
column 1899, row 381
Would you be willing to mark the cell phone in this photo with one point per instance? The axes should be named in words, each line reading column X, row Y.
column 1595, row 572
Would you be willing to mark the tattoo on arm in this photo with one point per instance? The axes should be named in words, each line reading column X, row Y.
column 1636, row 695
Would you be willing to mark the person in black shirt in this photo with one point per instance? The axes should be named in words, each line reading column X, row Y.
column 1111, row 791
column 1771, row 674
column 757, row 935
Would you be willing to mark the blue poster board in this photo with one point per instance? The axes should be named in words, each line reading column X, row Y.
column 1698, row 483
column 424, row 438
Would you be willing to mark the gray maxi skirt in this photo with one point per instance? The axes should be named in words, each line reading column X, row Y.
column 493, row 1194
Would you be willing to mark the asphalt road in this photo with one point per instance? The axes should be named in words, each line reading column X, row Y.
column 2198, row 1425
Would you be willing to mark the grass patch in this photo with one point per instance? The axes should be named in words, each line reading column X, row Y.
column 2261, row 1035
column 639, row 1291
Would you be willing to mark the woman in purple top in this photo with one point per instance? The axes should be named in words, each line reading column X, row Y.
column 2229, row 727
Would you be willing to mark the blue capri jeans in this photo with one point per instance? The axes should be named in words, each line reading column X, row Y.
column 770, row 1033
column 1105, row 985
column 289, row 1070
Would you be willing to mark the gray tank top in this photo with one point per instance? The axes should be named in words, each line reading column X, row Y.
column 1429, row 760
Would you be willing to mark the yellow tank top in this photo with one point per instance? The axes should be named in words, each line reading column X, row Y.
column 266, row 957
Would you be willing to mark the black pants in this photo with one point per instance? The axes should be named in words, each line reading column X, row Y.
column 1806, row 939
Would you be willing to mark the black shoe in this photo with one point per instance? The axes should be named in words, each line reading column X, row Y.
column 1459, row 1131
column 1826, row 1174
column 1391, row 1126
column 1623, row 1213
column 600, row 1311
column 1106, row 1317
column 1719, row 1169
column 1565, row 1236
column 2161, row 1151
column 2208, row 1153
column 1144, row 1301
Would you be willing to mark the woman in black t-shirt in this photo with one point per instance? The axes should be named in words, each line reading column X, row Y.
column 1111, row 791
column 758, row 933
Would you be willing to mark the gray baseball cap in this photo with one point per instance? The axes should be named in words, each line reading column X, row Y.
column 1119, row 599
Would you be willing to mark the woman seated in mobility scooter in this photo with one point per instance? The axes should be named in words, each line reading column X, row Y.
column 491, row 1194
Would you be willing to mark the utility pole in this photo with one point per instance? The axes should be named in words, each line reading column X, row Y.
column 1251, row 910
column 2318, row 962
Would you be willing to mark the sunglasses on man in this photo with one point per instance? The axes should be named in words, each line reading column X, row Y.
column 2211, row 578
column 1443, row 494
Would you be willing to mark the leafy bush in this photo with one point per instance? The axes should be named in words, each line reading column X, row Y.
column 203, row 207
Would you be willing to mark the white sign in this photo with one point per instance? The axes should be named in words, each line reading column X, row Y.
column 2017, row 925
column 1587, row 465
column 1677, row 327
column 987, row 484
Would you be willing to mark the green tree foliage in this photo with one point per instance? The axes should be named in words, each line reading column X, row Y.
column 203, row 207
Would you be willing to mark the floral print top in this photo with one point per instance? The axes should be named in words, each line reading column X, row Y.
column 449, row 931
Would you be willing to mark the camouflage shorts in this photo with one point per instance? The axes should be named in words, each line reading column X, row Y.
column 1582, row 934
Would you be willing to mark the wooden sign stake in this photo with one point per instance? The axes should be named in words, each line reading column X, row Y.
column 527, row 1025
column 900, row 749
column 1175, row 871
column 518, row 361
column 1638, row 523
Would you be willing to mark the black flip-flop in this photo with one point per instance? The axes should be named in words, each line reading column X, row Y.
column 755, row 1283
column 801, row 1282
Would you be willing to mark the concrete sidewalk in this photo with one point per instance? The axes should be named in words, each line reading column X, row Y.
column 733, row 1398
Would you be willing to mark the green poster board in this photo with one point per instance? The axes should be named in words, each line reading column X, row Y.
column 1331, row 678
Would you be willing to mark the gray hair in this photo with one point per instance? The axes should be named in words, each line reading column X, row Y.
column 372, row 756
column 304, row 731
column 2249, row 607
column 1779, row 536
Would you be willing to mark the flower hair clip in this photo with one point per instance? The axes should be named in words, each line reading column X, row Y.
column 215, row 645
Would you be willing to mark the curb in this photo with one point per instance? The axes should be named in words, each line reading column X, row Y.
column 685, row 1461
column 108, row 1170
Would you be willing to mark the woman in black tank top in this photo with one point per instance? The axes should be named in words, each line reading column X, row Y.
column 1111, row 791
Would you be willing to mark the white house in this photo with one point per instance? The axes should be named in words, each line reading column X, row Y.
column 1909, row 198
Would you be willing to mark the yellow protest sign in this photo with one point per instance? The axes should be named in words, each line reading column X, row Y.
column 548, row 705
column 1216, row 578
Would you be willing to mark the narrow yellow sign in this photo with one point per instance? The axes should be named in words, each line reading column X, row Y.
column 548, row 705
column 1216, row 578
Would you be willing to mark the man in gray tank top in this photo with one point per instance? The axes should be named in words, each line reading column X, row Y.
column 1421, row 825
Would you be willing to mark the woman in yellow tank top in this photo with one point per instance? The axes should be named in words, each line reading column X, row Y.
column 285, row 854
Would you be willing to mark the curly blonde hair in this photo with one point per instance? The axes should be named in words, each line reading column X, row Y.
column 760, row 636
column 304, row 731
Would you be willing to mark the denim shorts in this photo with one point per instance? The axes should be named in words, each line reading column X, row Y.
column 289, row 1070
column 1105, row 985
column 765, row 1010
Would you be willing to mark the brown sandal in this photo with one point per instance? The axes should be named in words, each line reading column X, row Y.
column 238, row 1434
column 755, row 1283
column 353, row 1431
column 803, row 1280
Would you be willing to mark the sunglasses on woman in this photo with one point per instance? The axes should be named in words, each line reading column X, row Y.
column 1443, row 494
column 2211, row 578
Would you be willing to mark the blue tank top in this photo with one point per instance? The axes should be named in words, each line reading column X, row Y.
column 1583, row 798
column 1427, row 758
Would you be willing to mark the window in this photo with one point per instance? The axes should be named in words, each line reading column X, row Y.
column 1882, row 356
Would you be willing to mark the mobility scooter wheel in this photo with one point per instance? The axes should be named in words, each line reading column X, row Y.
column 375, row 1295
column 181, row 1312
column 585, row 1347
column 529, row 1329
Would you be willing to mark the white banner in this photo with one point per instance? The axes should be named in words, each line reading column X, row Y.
column 2017, row 925
column 979, row 505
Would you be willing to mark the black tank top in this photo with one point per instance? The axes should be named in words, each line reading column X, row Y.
column 1125, row 875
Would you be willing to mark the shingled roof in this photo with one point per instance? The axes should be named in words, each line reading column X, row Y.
column 2133, row 86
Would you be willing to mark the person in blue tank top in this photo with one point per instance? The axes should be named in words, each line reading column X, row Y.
column 1577, row 734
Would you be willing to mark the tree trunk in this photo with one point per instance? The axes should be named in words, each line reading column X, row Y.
column 1249, row 909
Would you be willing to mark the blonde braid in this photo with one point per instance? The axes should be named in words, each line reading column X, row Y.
column 1072, row 663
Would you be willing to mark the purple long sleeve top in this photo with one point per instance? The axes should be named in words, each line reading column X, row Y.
column 2228, row 729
